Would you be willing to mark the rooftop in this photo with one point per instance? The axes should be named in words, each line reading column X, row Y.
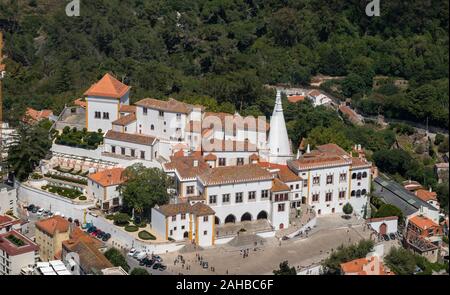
column 198, row 209
column 187, row 166
column 279, row 186
column 426, row 195
column 235, row 174
column 108, row 177
column 365, row 266
column 423, row 222
column 108, row 86
column 35, row 115
column 171, row 105
column 53, row 225
column 130, row 137
column 125, row 120
column 11, row 248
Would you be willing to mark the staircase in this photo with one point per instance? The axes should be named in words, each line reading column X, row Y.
column 245, row 239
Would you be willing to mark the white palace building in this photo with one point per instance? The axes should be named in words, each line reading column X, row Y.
column 227, row 168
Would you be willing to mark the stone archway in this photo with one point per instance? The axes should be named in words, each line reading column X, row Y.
column 262, row 215
column 246, row 217
column 216, row 220
column 230, row 219
column 186, row 235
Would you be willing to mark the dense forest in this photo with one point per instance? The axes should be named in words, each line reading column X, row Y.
column 221, row 52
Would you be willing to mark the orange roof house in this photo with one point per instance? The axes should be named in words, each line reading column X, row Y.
column 33, row 116
column 296, row 98
column 108, row 86
column 365, row 266
column 80, row 102
column 108, row 177
column 55, row 224
column 426, row 195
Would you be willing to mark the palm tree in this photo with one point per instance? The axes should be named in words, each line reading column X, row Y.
column 30, row 145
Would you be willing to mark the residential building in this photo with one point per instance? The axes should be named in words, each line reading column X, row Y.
column 365, row 266
column 318, row 98
column 8, row 223
column 16, row 252
column 384, row 225
column 428, row 196
column 49, row 235
column 103, row 102
column 33, row 116
column 185, row 221
column 103, row 187
column 8, row 199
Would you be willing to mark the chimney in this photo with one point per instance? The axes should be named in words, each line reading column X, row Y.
column 430, row 189
column 195, row 164
column 298, row 154
column 308, row 149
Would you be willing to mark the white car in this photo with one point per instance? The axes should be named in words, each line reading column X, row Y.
column 140, row 255
column 40, row 212
column 131, row 253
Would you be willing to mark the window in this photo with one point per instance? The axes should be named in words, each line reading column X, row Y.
column 132, row 152
column 183, row 216
column 358, row 193
column 343, row 177
column 222, row 161
column 174, row 218
column 291, row 186
column 190, row 189
column 178, row 116
column 354, row 176
column 342, row 195
column 358, row 176
column 161, row 113
column 251, row 196
column 144, row 110
column 296, row 196
column 213, row 199
column 106, row 115
column 113, row 149
column 175, row 228
column 152, row 127
column 329, row 179
column 205, row 218
column 264, row 194
column 305, row 183
column 364, row 175
column 297, row 186
column 225, row 198
column 142, row 155
column 171, row 232
column 316, row 180
column 205, row 232
column 281, row 207
column 98, row 115
column 122, row 151
column 240, row 161
column 352, row 193
column 315, row 197
column 239, row 197
column 328, row 197
column 364, row 192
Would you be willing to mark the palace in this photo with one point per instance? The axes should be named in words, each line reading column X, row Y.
column 227, row 169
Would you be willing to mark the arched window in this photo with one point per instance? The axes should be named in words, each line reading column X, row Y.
column 364, row 175
column 358, row 193
column 364, row 192
column 354, row 176
column 352, row 193
column 359, row 176
column 152, row 127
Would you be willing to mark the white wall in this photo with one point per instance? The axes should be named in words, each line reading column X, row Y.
column 148, row 150
column 205, row 240
column 164, row 127
column 8, row 200
column 391, row 225
column 102, row 105
column 159, row 222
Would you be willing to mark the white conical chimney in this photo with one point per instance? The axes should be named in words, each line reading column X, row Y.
column 298, row 154
column 278, row 141
column 308, row 149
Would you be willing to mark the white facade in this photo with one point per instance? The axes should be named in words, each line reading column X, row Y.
column 8, row 199
column 104, row 194
column 101, row 112
column 12, row 260
column 389, row 224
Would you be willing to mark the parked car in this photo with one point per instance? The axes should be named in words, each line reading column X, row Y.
column 392, row 236
column 140, row 255
column 106, row 237
column 157, row 265
column 386, row 237
column 162, row 267
column 157, row 258
column 205, row 265
column 30, row 207
column 77, row 222
column 131, row 253
column 34, row 210
column 100, row 234
column 91, row 229
column 94, row 233
column 136, row 253
column 50, row 214
column 40, row 212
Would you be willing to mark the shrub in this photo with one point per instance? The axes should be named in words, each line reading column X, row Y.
column 82, row 198
column 142, row 224
column 121, row 219
column 131, row 228
column 145, row 235
column 348, row 209
column 110, row 216
column 36, row 176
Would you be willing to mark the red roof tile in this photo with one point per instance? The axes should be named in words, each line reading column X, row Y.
column 12, row 249
column 108, row 177
column 108, row 86
column 53, row 224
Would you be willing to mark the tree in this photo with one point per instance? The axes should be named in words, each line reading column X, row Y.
column 387, row 210
column 116, row 258
column 321, row 135
column 285, row 269
column 442, row 191
column 139, row 271
column 348, row 209
column 121, row 219
column 29, row 146
column 144, row 188
column 401, row 261
column 332, row 265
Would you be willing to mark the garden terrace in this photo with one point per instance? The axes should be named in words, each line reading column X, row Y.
column 70, row 193
column 16, row 241
column 81, row 139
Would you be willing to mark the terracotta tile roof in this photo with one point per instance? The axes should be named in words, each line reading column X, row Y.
column 314, row 93
column 254, row 157
column 215, row 145
column 369, row 220
column 52, row 225
column 5, row 219
column 185, row 167
column 350, row 113
column 198, row 209
column 125, row 120
column 426, row 195
column 318, row 159
column 279, row 186
column 296, row 98
column 12, row 249
column 32, row 115
column 171, row 105
column 80, row 102
column 210, row 157
column 91, row 259
column 108, row 86
column 358, row 163
column 361, row 266
column 281, row 171
column 129, row 137
column 8, row 221
column 235, row 174
column 332, row 148
column 108, row 177
column 127, row 109
column 423, row 222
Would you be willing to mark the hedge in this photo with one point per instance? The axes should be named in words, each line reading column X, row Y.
column 145, row 235
column 68, row 179
column 82, row 198
column 131, row 228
